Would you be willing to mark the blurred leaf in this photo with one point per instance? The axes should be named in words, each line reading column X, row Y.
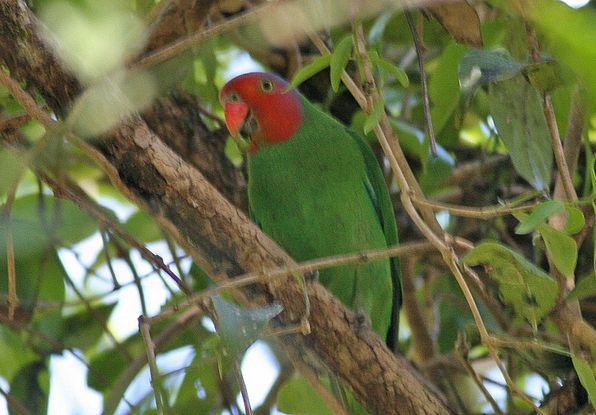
column 10, row 166
column 339, row 59
column 201, row 280
column 530, row 291
column 575, row 220
column 375, row 34
column 539, row 215
column 26, row 388
column 570, row 35
column 297, row 397
column 238, row 327
column 16, row 353
column 143, row 227
column 105, row 104
column 200, row 391
column 561, row 248
column 308, row 70
column 544, row 76
column 460, row 20
column 436, row 172
column 375, row 115
column 85, row 328
column 443, row 86
column 517, row 112
column 388, row 66
column 586, row 377
column 481, row 67
column 233, row 153
column 93, row 38
column 585, row 288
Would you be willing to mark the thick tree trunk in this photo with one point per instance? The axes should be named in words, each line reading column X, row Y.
column 221, row 237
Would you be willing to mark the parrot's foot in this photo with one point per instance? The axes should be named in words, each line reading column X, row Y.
column 311, row 276
column 362, row 319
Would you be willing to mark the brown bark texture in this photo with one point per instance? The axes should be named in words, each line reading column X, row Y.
column 218, row 234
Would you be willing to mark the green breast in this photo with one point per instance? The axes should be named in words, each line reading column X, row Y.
column 310, row 195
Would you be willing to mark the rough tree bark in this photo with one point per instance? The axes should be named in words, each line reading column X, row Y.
column 180, row 197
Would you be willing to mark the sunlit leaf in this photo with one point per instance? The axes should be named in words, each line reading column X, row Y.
column 544, row 76
column 339, row 60
column 585, row 288
column 16, row 353
column 529, row 290
column 238, row 327
column 310, row 69
column 575, row 220
column 143, row 227
column 517, row 112
column 399, row 74
column 443, row 86
column 586, row 377
column 297, row 397
column 561, row 248
column 539, row 215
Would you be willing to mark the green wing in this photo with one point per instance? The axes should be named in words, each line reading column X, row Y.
column 380, row 198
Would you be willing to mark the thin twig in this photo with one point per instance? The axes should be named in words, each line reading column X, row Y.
column 189, row 41
column 428, row 123
column 243, row 390
column 382, row 130
column 134, row 367
column 473, row 212
column 13, row 403
column 158, row 389
column 464, row 362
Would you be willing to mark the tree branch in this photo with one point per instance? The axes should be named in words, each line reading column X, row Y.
column 220, row 238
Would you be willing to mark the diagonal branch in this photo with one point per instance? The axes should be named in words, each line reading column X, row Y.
column 220, row 238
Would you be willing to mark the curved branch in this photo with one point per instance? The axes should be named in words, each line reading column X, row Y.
column 221, row 238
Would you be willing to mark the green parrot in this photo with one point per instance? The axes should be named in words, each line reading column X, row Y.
column 315, row 187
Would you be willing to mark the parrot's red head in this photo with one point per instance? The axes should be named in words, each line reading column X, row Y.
column 260, row 106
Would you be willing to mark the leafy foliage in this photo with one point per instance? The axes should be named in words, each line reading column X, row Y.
column 87, row 261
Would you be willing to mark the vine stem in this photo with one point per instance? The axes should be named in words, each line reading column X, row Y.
column 383, row 130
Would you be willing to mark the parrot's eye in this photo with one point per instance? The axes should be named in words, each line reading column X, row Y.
column 233, row 97
column 266, row 85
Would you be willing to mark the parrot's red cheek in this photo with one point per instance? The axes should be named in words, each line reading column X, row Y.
column 236, row 113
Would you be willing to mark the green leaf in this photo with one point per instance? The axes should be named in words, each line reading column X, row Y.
column 544, row 76
column 517, row 112
column 586, row 377
column 373, row 118
column 297, row 397
column 238, row 327
column 200, row 390
column 310, row 69
column 375, row 34
column 539, row 215
column 16, row 353
column 443, row 86
column 480, row 67
column 85, row 328
column 529, row 290
column 388, row 66
column 585, row 288
column 143, row 227
column 561, row 248
column 339, row 60
column 29, row 388
column 575, row 220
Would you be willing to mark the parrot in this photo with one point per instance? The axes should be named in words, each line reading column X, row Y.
column 316, row 188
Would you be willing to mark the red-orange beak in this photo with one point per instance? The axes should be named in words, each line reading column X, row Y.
column 236, row 114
